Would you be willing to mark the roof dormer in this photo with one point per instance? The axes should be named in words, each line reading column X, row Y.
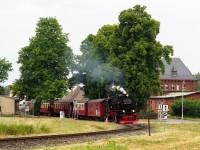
column 174, row 72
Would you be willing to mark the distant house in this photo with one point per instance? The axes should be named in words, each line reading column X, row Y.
column 77, row 93
column 7, row 105
column 177, row 77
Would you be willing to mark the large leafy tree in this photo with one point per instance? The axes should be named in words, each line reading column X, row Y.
column 95, row 71
column 132, row 48
column 138, row 53
column 45, row 63
column 90, row 62
column 5, row 67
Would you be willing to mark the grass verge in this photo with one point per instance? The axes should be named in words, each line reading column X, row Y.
column 11, row 126
column 166, row 137
column 21, row 129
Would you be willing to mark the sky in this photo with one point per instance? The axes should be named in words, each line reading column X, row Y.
column 179, row 24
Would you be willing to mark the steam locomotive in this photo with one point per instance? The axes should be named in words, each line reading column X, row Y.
column 117, row 109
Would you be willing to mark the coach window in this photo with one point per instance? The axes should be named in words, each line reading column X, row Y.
column 96, row 110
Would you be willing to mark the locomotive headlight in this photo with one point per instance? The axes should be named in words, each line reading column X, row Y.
column 123, row 111
column 133, row 110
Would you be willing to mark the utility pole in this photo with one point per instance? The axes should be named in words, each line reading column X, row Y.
column 182, row 97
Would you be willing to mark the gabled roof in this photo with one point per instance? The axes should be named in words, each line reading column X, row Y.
column 77, row 93
column 96, row 100
column 176, row 70
column 173, row 95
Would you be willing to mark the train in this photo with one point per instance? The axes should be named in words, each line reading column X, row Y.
column 116, row 109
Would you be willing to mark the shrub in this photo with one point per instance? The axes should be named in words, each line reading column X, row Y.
column 191, row 108
column 44, row 129
column 22, row 129
column 15, row 129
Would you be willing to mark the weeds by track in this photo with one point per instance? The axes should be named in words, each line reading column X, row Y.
column 20, row 143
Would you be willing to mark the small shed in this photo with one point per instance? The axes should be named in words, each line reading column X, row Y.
column 7, row 105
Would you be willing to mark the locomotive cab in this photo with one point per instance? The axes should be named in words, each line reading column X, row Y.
column 121, row 110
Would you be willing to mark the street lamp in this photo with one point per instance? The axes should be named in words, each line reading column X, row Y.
column 182, row 96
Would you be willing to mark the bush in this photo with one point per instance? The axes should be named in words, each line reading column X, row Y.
column 22, row 129
column 191, row 108
column 44, row 129
column 15, row 129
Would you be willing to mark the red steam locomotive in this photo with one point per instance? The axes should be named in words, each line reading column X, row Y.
column 118, row 109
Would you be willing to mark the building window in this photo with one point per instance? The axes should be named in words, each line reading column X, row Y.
column 166, row 87
column 177, row 87
column 173, row 87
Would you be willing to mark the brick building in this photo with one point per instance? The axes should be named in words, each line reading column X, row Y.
column 177, row 77
column 177, row 81
column 169, row 98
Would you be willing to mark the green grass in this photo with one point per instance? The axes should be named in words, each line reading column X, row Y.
column 111, row 145
column 166, row 137
column 45, row 125
column 21, row 129
column 15, row 129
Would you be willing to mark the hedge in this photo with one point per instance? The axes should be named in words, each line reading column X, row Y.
column 191, row 108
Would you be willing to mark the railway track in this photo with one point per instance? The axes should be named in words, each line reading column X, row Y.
column 21, row 143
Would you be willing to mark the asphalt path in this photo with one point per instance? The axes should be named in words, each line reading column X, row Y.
column 171, row 121
column 179, row 121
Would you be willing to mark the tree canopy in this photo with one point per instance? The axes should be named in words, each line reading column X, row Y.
column 131, row 51
column 5, row 67
column 45, row 63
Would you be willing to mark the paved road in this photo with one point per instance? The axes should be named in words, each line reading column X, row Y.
column 179, row 121
column 171, row 121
